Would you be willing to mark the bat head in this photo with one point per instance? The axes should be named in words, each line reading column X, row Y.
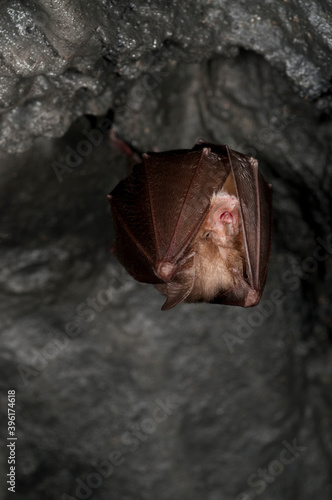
column 223, row 219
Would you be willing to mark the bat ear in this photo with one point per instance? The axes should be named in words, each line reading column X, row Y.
column 181, row 285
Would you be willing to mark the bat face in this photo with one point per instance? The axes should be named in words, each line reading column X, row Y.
column 196, row 224
column 218, row 248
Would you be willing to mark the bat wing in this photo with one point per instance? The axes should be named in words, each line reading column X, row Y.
column 160, row 207
column 177, row 290
column 255, row 198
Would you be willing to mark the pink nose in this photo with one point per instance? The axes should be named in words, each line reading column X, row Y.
column 226, row 218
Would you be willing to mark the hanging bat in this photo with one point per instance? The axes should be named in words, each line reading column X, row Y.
column 196, row 224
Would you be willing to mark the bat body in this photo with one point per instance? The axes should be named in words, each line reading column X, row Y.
column 196, row 224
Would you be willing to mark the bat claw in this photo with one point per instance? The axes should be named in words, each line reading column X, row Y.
column 164, row 270
column 252, row 298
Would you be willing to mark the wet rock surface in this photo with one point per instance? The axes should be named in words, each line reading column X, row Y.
column 61, row 60
column 115, row 399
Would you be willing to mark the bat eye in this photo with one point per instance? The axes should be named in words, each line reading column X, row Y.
column 207, row 234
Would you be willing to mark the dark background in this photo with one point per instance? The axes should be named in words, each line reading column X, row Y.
column 92, row 358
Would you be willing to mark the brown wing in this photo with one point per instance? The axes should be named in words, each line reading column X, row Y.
column 177, row 290
column 159, row 209
column 255, row 197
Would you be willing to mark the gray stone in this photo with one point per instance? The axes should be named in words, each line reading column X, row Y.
column 61, row 59
column 203, row 401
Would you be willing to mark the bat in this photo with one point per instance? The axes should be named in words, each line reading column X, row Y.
column 197, row 224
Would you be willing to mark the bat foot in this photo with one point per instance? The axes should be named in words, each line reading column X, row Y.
column 122, row 147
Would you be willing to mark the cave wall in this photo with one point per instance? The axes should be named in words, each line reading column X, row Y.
column 114, row 398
